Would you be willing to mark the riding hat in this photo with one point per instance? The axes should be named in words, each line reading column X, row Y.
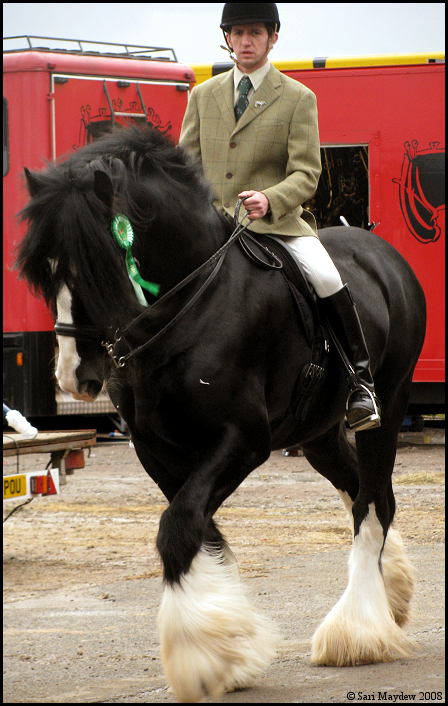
column 243, row 13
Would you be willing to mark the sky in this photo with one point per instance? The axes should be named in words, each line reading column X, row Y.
column 192, row 29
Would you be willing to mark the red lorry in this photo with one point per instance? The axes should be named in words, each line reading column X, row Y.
column 381, row 122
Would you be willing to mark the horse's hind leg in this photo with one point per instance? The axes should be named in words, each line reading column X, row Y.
column 396, row 568
column 364, row 625
column 399, row 577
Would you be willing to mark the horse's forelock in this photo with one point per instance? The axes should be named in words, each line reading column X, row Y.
column 97, row 260
column 69, row 224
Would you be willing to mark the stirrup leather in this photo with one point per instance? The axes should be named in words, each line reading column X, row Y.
column 372, row 421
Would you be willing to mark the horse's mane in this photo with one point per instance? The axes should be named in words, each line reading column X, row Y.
column 155, row 184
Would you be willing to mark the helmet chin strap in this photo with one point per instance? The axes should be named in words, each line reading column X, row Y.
column 228, row 48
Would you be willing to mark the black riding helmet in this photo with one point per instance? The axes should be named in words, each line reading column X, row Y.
column 243, row 13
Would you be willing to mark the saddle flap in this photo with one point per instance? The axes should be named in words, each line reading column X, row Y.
column 302, row 293
column 269, row 250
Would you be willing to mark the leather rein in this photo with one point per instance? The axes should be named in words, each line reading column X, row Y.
column 92, row 332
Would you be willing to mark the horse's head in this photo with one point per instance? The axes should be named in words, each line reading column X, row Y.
column 69, row 256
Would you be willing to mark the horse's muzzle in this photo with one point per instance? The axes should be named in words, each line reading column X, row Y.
column 86, row 391
column 89, row 390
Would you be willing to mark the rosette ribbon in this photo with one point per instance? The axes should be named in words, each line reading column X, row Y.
column 124, row 236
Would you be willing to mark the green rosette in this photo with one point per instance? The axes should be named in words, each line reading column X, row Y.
column 124, row 236
column 122, row 231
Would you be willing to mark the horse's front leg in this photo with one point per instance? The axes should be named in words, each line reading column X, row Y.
column 211, row 639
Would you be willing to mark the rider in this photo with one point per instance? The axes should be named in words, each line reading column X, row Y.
column 255, row 131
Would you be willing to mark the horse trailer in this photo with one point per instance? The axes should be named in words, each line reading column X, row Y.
column 382, row 132
column 381, row 125
column 59, row 95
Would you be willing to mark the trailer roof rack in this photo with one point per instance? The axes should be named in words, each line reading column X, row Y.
column 85, row 46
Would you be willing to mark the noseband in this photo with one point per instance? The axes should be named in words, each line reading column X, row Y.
column 87, row 333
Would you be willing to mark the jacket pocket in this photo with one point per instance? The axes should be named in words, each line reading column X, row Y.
column 272, row 132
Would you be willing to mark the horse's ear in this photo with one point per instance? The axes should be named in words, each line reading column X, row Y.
column 32, row 182
column 103, row 187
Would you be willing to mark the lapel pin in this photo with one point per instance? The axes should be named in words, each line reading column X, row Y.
column 260, row 104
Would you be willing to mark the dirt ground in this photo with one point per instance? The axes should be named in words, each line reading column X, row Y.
column 82, row 582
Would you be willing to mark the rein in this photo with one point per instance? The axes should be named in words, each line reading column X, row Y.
column 91, row 332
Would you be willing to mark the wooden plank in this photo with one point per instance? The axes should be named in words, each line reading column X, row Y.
column 48, row 441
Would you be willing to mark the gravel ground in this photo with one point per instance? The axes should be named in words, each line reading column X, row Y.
column 82, row 582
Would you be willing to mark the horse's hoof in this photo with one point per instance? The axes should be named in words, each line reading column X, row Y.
column 344, row 644
column 211, row 639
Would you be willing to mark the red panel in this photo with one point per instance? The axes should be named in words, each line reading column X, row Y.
column 29, row 141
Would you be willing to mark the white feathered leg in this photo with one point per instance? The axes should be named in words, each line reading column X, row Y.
column 211, row 639
column 361, row 626
column 396, row 568
column 399, row 577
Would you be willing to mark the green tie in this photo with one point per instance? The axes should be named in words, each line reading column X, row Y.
column 244, row 87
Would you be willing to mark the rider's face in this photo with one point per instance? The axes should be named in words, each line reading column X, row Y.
column 251, row 44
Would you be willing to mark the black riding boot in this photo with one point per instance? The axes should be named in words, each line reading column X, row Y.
column 363, row 409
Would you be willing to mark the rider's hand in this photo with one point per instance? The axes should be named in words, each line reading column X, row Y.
column 257, row 204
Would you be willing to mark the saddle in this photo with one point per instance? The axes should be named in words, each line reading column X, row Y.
column 269, row 253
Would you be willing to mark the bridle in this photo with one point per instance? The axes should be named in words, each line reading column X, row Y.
column 94, row 333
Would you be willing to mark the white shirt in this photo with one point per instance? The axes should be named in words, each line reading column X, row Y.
column 256, row 79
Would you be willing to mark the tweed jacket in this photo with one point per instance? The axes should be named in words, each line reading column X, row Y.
column 274, row 148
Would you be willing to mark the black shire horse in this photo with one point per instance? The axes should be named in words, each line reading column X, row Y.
column 205, row 377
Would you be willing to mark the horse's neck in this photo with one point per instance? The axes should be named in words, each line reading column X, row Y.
column 189, row 247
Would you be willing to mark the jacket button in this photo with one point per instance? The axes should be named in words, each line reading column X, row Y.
column 229, row 175
column 226, row 204
column 233, row 145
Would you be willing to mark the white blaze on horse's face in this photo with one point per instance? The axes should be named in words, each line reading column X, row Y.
column 68, row 360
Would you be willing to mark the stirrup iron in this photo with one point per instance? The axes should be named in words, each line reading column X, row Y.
column 371, row 422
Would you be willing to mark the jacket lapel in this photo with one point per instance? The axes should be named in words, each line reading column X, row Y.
column 223, row 94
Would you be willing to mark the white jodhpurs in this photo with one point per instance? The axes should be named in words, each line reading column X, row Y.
column 319, row 268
